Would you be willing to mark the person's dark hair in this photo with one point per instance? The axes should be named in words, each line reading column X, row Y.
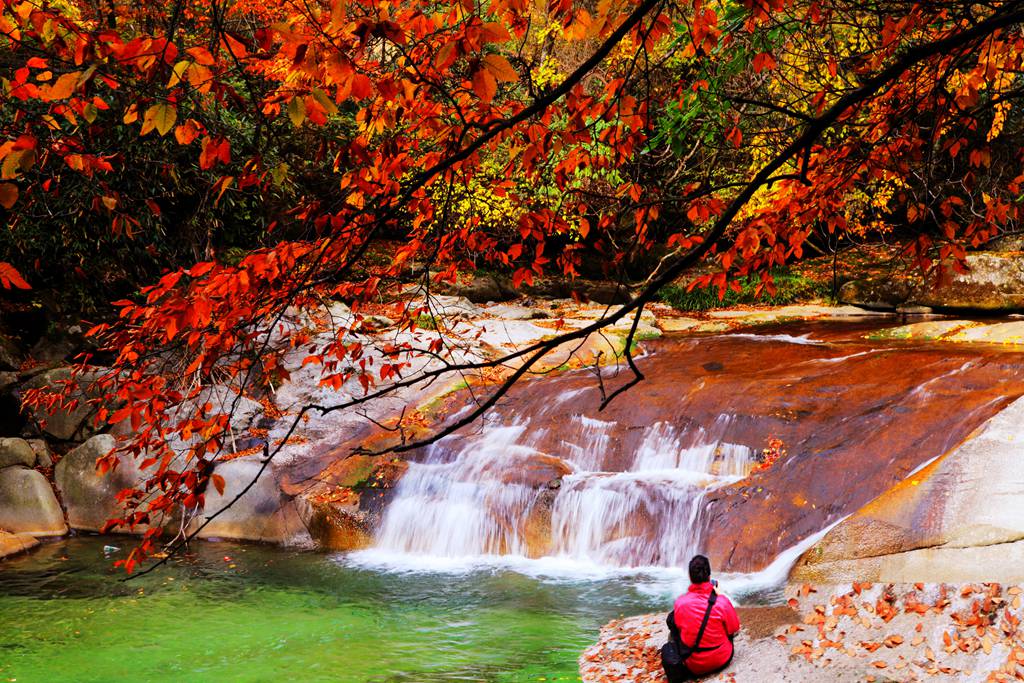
column 700, row 569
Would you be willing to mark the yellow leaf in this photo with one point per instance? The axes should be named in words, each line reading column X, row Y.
column 8, row 195
column 224, row 185
column 324, row 101
column 500, row 67
column 160, row 116
column 297, row 111
column 178, row 73
column 280, row 173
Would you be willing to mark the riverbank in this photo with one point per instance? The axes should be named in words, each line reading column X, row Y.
column 846, row 632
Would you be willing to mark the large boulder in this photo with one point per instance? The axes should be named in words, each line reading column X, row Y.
column 10, row 355
column 16, row 452
column 484, row 287
column 341, row 526
column 599, row 291
column 958, row 519
column 876, row 295
column 262, row 513
column 90, row 497
column 27, row 504
column 44, row 456
column 65, row 423
column 993, row 282
column 220, row 399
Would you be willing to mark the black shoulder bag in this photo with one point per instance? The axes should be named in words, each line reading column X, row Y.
column 675, row 652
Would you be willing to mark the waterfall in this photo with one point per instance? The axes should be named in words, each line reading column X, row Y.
column 462, row 504
column 513, row 490
column 639, row 484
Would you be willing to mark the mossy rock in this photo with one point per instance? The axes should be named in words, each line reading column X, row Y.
column 929, row 330
column 355, row 470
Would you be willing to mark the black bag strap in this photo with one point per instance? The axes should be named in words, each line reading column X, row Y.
column 712, row 599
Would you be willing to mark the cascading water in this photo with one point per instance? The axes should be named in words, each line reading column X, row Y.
column 641, row 483
column 493, row 494
column 649, row 515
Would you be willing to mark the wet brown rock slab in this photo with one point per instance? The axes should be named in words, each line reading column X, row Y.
column 855, row 416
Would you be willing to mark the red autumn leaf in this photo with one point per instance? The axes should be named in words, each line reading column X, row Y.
column 484, row 84
column 763, row 61
column 9, row 277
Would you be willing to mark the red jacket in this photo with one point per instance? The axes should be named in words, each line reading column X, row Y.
column 723, row 622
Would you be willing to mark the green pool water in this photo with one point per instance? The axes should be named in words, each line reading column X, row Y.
column 231, row 612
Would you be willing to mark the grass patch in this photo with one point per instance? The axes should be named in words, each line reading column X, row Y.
column 790, row 288
column 425, row 321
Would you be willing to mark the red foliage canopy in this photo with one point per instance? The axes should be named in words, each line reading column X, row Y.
column 408, row 107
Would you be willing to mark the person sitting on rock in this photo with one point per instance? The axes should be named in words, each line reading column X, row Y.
column 701, row 628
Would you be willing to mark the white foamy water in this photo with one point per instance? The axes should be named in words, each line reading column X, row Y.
column 662, row 583
column 465, row 505
column 787, row 338
column 760, row 584
column 496, row 493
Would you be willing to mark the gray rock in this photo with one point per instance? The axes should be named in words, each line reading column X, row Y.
column 450, row 307
column 10, row 356
column 263, row 513
column 90, row 497
column 54, row 349
column 601, row 292
column 377, row 322
column 44, row 457
column 513, row 312
column 1006, row 243
column 8, row 380
column 878, row 295
column 221, row 399
column 27, row 504
column 604, row 292
column 14, row 451
column 65, row 423
column 994, row 282
column 484, row 288
column 914, row 310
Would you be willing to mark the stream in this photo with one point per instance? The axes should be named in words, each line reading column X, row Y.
column 233, row 612
column 505, row 547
